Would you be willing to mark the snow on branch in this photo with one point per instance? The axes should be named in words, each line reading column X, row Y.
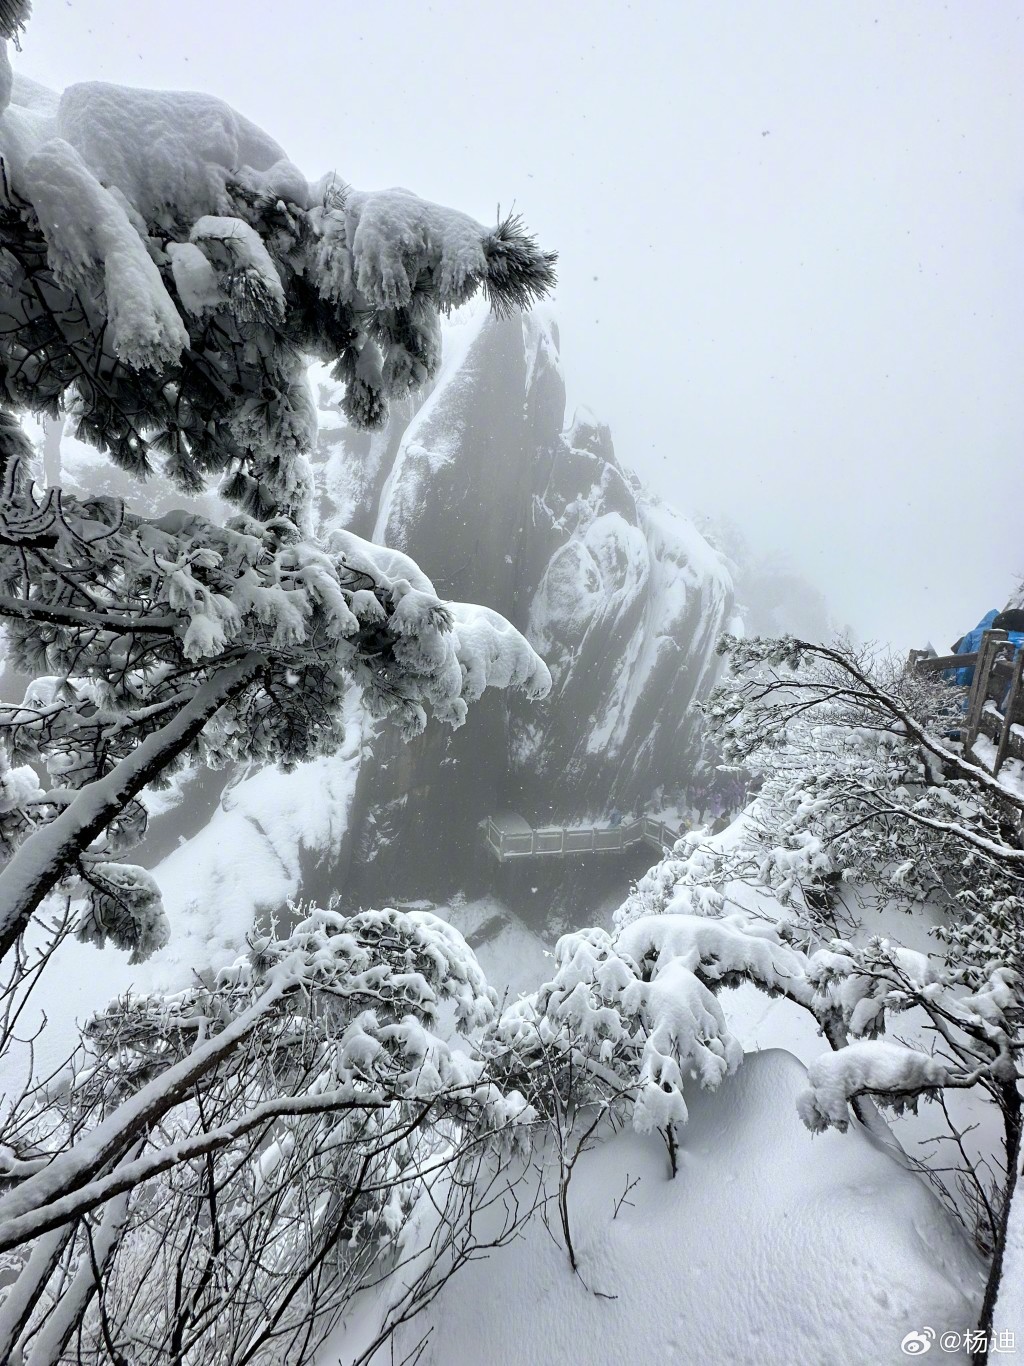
column 893, row 1074
column 723, row 951
column 92, row 246
column 123, row 904
column 169, row 272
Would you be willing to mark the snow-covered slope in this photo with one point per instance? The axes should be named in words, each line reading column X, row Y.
column 770, row 1248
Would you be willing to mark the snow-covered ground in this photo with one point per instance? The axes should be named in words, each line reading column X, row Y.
column 770, row 1247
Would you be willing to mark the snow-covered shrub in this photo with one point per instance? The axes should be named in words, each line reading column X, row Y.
column 629, row 1021
column 253, row 1148
column 866, row 800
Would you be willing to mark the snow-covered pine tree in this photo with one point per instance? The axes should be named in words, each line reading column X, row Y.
column 165, row 275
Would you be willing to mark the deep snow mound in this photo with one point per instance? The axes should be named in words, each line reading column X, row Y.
column 770, row 1247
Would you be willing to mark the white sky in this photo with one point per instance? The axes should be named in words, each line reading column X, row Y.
column 791, row 240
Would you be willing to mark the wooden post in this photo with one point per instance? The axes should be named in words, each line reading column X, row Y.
column 1010, row 708
column 990, row 643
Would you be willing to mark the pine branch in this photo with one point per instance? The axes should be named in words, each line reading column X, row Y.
column 43, row 860
column 53, row 614
column 519, row 273
column 14, row 15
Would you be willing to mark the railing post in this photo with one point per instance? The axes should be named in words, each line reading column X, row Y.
column 990, row 644
column 1009, row 708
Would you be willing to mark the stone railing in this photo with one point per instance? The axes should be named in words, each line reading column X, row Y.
column 995, row 702
column 572, row 841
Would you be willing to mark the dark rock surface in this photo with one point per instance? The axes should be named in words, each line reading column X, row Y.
column 502, row 505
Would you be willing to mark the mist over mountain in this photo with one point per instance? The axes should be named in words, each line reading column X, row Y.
column 772, row 597
column 485, row 483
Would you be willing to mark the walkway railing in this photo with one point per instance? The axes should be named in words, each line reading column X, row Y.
column 995, row 703
column 568, row 841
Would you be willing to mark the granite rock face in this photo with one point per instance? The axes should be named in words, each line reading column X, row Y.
column 501, row 503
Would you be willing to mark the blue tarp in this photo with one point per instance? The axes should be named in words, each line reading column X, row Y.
column 971, row 643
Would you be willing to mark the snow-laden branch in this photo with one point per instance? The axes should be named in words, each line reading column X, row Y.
column 873, row 693
column 50, row 1342
column 134, row 1117
column 62, row 1210
column 249, row 250
column 40, row 863
column 168, row 290
column 1004, row 853
column 55, row 614
column 893, row 1073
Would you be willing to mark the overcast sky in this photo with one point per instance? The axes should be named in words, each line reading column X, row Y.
column 791, row 235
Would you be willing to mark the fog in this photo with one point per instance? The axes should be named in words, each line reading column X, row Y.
column 790, row 234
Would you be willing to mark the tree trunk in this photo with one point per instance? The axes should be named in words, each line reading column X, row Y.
column 1012, row 1119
